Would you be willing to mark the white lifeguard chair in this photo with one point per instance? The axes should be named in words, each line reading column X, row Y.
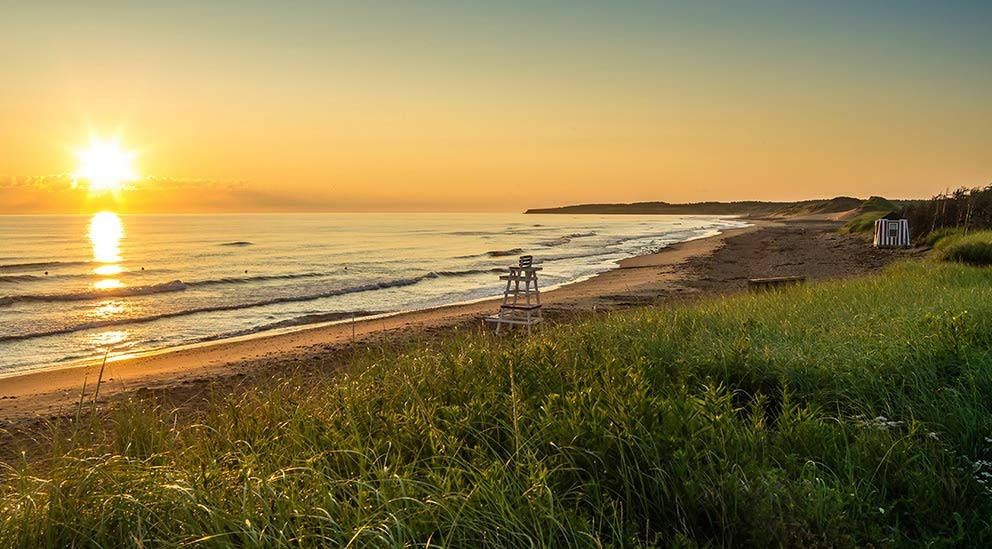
column 521, row 304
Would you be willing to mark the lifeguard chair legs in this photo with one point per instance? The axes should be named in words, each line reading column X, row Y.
column 521, row 304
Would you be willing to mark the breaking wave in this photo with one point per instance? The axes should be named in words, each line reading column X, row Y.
column 209, row 309
column 40, row 265
column 468, row 272
column 562, row 240
column 174, row 286
column 505, row 253
column 255, row 278
column 20, row 278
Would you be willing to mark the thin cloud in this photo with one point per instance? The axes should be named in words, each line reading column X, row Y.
column 53, row 182
column 62, row 193
column 66, row 181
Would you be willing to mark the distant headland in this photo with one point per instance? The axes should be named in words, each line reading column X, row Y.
column 839, row 207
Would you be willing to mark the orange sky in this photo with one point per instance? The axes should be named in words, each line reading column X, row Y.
column 344, row 107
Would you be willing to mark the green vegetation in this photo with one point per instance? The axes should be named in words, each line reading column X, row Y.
column 870, row 211
column 749, row 207
column 834, row 205
column 966, row 209
column 974, row 248
column 879, row 204
column 845, row 413
column 934, row 237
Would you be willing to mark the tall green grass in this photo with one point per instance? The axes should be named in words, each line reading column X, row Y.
column 841, row 414
column 933, row 237
column 974, row 248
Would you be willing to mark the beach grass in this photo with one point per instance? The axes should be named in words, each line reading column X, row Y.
column 974, row 248
column 843, row 413
column 933, row 237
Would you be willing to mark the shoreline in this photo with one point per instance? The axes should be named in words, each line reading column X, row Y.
column 51, row 390
column 630, row 262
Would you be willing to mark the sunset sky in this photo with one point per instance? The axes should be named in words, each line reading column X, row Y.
column 381, row 106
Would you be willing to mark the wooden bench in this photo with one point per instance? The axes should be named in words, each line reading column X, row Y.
column 774, row 283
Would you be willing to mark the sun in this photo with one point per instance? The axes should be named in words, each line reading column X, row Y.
column 105, row 166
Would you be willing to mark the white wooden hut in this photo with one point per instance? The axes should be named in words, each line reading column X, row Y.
column 891, row 231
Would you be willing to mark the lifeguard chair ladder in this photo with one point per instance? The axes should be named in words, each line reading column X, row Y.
column 521, row 304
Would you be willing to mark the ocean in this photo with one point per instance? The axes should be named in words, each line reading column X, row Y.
column 72, row 287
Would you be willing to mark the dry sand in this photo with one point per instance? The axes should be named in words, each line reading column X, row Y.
column 707, row 266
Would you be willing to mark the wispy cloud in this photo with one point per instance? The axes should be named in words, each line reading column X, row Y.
column 53, row 182
column 62, row 193
column 66, row 181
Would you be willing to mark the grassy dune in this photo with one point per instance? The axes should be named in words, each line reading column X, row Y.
column 974, row 248
column 871, row 210
column 843, row 413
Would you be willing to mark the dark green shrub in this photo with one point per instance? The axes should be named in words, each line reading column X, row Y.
column 973, row 249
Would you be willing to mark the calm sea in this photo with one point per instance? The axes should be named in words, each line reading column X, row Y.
column 73, row 286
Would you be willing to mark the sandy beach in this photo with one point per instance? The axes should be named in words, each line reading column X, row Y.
column 709, row 266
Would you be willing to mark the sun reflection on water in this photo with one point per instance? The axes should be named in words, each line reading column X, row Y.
column 108, row 270
column 109, row 309
column 107, row 339
column 107, row 284
column 105, row 234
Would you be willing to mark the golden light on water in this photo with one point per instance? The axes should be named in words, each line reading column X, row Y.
column 108, row 339
column 109, row 309
column 105, row 234
column 108, row 270
column 105, row 166
column 108, row 283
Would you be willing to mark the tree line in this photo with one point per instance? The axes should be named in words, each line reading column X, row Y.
column 968, row 209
